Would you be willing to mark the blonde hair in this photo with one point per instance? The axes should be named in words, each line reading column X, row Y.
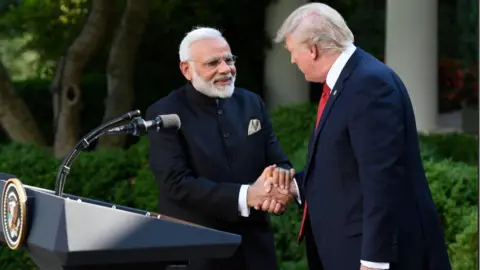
column 319, row 24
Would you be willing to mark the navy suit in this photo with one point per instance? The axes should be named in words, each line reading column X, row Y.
column 368, row 197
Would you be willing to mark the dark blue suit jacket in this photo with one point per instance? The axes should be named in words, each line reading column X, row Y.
column 368, row 197
column 201, row 167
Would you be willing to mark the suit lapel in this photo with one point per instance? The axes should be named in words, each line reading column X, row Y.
column 334, row 94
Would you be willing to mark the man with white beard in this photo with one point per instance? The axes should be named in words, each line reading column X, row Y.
column 212, row 170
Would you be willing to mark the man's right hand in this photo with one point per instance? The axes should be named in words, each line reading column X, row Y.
column 257, row 194
column 282, row 181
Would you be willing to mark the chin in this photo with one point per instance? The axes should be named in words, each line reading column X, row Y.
column 309, row 79
column 225, row 91
column 314, row 79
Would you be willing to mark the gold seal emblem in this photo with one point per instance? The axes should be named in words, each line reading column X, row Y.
column 14, row 213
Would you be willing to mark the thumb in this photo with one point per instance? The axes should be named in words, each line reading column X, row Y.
column 267, row 172
column 268, row 185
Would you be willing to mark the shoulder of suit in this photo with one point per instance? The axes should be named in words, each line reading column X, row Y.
column 167, row 104
column 249, row 96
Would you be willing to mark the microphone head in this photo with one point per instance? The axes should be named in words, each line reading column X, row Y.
column 170, row 121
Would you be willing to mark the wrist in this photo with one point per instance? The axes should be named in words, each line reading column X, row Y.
column 249, row 196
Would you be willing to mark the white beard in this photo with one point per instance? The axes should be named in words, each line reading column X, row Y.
column 208, row 88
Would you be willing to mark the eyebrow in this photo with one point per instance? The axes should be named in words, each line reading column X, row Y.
column 218, row 57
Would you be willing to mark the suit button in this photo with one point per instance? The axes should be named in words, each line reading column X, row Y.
column 220, row 111
column 394, row 240
column 226, row 134
column 231, row 158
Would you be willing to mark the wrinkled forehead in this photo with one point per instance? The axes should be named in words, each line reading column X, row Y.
column 210, row 48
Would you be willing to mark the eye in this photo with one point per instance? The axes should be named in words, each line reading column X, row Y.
column 213, row 63
column 230, row 60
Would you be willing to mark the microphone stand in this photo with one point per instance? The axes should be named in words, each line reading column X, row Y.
column 83, row 144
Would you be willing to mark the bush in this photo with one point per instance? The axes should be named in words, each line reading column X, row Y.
column 123, row 177
column 453, row 146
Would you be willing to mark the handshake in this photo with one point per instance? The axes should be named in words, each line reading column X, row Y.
column 273, row 190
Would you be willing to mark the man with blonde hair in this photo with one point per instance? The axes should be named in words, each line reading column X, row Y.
column 367, row 204
column 211, row 171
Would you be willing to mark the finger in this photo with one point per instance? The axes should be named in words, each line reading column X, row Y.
column 287, row 180
column 268, row 185
column 273, row 203
column 265, row 172
column 275, row 177
column 281, row 177
column 278, row 208
column 265, row 205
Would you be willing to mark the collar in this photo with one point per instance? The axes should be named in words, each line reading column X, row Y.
column 339, row 64
column 197, row 96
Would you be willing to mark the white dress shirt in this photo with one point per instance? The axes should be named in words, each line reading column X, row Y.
column 332, row 77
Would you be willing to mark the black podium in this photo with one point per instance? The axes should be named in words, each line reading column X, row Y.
column 70, row 232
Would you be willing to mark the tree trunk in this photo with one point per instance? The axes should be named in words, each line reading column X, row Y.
column 15, row 117
column 66, row 85
column 121, row 60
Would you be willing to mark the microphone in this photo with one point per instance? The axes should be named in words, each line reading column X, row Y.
column 140, row 127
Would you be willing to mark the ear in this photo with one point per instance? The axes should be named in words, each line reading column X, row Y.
column 186, row 71
column 313, row 52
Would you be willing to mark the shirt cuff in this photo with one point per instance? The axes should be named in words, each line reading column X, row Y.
column 242, row 201
column 299, row 200
column 375, row 265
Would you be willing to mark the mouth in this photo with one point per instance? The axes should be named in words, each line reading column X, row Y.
column 224, row 81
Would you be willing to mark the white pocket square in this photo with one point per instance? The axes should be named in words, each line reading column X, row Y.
column 254, row 126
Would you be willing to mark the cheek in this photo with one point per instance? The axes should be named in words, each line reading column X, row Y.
column 207, row 75
column 233, row 70
column 304, row 65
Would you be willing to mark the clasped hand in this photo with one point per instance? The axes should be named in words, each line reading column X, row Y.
column 272, row 191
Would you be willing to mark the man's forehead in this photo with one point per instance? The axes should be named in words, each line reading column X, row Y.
column 210, row 48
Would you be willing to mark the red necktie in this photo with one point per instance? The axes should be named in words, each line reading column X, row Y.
column 321, row 106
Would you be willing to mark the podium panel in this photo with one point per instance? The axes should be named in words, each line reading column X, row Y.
column 71, row 232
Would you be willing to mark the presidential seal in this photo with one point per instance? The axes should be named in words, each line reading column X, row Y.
column 14, row 213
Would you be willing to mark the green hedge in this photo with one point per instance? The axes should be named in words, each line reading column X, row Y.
column 123, row 177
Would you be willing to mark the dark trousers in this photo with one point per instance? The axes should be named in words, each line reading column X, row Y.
column 313, row 259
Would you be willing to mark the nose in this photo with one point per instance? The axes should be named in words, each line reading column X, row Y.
column 224, row 68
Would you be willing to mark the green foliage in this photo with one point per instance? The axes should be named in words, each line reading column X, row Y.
column 123, row 177
column 21, row 63
column 464, row 250
column 293, row 124
column 454, row 146
column 53, row 24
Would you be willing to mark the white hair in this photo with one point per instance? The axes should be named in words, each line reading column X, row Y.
column 198, row 33
column 319, row 24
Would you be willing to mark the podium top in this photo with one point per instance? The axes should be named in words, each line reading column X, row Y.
column 72, row 230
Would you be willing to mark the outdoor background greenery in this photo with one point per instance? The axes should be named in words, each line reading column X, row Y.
column 34, row 34
column 123, row 177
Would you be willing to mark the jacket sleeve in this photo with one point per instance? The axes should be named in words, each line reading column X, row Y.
column 170, row 167
column 299, row 178
column 378, row 140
